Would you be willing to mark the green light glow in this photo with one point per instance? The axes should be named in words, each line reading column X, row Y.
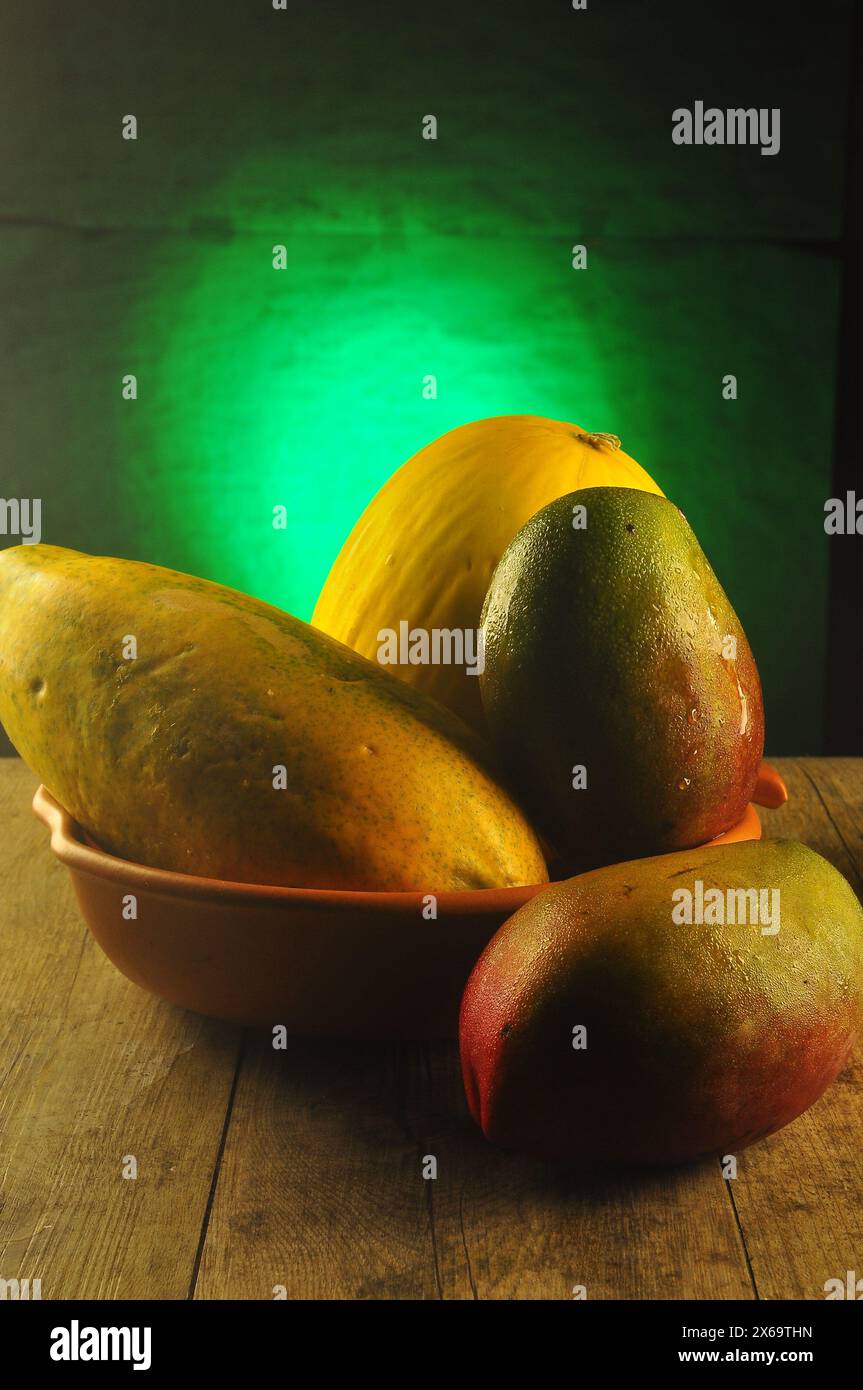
column 304, row 387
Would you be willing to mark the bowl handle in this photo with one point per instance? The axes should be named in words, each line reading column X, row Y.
column 770, row 789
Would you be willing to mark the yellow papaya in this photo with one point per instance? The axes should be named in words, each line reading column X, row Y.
column 189, row 727
column 425, row 548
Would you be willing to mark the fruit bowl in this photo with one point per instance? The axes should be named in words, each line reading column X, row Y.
column 320, row 962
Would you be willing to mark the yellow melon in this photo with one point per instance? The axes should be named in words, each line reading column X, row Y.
column 425, row 548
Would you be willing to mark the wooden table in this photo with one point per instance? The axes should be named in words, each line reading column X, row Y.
column 303, row 1168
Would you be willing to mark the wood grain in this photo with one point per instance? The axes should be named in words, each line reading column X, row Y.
column 314, row 1154
column 798, row 1194
column 91, row 1070
column 322, row 1190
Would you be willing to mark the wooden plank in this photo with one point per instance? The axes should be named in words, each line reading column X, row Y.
column 321, row 1190
column 824, row 810
column 798, row 1194
column 519, row 1229
column 321, row 1187
column 93, row 1069
column 838, row 785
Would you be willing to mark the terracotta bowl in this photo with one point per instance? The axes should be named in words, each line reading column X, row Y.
column 321, row 962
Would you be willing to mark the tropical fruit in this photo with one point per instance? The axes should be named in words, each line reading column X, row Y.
column 424, row 549
column 619, row 687
column 189, row 727
column 638, row 1013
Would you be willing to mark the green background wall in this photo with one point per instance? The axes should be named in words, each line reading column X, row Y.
column 408, row 257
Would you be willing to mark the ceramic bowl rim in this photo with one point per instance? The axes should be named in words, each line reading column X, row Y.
column 69, row 844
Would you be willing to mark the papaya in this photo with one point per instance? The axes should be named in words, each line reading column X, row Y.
column 619, row 687
column 425, row 548
column 665, row 1009
column 189, row 727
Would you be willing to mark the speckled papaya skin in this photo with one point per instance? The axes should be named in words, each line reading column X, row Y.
column 608, row 648
column 168, row 759
column 700, row 1039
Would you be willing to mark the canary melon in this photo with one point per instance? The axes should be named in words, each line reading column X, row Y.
column 424, row 550
column 189, row 727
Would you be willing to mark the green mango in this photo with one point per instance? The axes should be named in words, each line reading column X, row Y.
column 619, row 685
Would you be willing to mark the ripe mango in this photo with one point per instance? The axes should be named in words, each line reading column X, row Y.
column 160, row 710
column 619, row 687
column 700, row 1036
